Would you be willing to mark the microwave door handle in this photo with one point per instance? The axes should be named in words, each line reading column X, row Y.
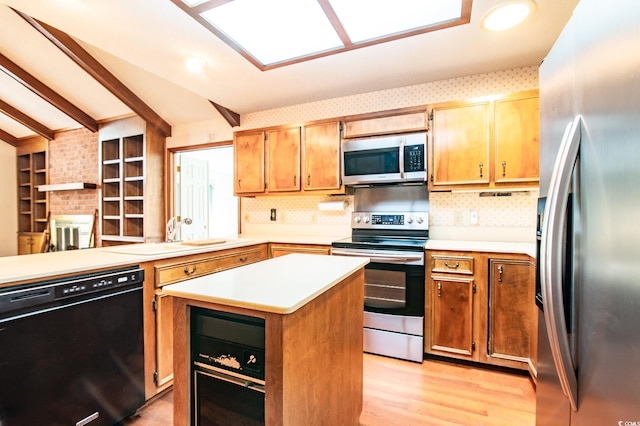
column 551, row 253
column 401, row 159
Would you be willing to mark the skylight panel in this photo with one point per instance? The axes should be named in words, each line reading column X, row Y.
column 277, row 30
column 372, row 19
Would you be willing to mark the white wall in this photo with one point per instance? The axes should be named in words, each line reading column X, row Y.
column 8, row 201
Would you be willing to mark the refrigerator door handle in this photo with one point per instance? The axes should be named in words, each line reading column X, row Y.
column 551, row 253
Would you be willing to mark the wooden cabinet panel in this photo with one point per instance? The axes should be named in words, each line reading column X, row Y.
column 452, row 318
column 284, row 160
column 282, row 249
column 249, row 157
column 461, row 144
column 511, row 297
column 217, row 262
column 29, row 243
column 452, row 264
column 164, row 338
column 398, row 123
column 321, row 156
column 517, row 135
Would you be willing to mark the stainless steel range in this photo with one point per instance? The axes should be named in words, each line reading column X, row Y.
column 394, row 240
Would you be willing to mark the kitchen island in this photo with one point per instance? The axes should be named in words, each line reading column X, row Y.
column 313, row 318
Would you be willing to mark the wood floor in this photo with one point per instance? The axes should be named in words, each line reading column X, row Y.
column 404, row 393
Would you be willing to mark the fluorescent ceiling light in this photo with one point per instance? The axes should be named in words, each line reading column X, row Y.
column 273, row 31
column 370, row 19
column 507, row 15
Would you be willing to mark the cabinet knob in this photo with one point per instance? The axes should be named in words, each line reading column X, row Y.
column 439, row 289
column 190, row 270
column 243, row 259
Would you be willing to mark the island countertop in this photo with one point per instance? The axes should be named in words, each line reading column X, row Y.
column 280, row 285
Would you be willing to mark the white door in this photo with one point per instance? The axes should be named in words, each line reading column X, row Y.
column 192, row 193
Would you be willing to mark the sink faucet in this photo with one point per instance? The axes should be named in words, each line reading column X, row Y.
column 173, row 225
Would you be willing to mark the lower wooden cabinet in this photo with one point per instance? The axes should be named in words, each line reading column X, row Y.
column 481, row 307
column 277, row 249
column 29, row 242
column 452, row 315
column 512, row 321
column 164, row 272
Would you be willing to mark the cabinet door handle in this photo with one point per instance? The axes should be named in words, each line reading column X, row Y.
column 239, row 186
column 190, row 270
column 439, row 289
column 500, row 270
column 243, row 258
column 309, row 179
column 295, row 179
column 481, row 166
column 452, row 266
column 504, row 168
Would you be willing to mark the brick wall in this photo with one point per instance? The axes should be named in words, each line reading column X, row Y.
column 73, row 157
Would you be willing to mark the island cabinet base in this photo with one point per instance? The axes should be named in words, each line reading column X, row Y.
column 313, row 358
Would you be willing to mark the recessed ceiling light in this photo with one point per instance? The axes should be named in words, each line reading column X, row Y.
column 193, row 64
column 507, row 15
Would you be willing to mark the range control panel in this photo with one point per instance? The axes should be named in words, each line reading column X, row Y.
column 390, row 220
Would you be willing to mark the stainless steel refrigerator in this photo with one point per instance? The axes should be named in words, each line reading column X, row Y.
column 589, row 230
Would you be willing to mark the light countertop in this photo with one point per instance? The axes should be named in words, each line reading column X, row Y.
column 279, row 285
column 483, row 246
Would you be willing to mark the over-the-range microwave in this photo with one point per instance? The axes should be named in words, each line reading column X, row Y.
column 385, row 159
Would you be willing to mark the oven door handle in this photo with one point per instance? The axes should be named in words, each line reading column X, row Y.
column 388, row 258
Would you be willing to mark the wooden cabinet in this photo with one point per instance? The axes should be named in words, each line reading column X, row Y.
column 517, row 138
column 481, row 307
column 278, row 249
column 179, row 269
column 284, row 160
column 385, row 123
column 249, row 161
column 452, row 306
column 131, row 183
column 33, row 205
column 460, row 144
column 321, row 157
column 512, row 323
column 288, row 160
column 489, row 143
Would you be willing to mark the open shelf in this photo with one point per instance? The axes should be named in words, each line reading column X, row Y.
column 33, row 205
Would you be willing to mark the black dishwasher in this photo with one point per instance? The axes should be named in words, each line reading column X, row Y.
column 71, row 350
column 228, row 368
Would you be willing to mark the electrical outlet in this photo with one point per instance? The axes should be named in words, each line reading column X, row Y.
column 273, row 215
column 473, row 218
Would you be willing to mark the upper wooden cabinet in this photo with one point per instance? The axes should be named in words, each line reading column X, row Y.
column 249, row 162
column 299, row 159
column 461, row 144
column 489, row 143
column 284, row 159
column 391, row 122
column 321, row 157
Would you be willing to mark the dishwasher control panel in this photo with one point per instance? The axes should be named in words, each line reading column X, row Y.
column 56, row 291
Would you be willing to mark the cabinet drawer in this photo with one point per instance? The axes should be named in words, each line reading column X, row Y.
column 452, row 264
column 181, row 271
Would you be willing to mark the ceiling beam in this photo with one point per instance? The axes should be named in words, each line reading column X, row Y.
column 233, row 118
column 25, row 120
column 95, row 69
column 8, row 138
column 39, row 88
